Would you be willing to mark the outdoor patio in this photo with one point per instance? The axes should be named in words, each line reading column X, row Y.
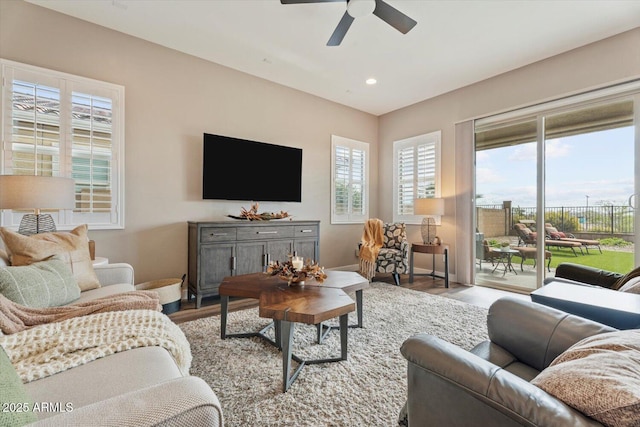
column 525, row 279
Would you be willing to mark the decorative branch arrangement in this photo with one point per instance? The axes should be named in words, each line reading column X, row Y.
column 287, row 271
column 253, row 215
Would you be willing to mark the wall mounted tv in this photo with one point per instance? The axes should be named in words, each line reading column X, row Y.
column 239, row 169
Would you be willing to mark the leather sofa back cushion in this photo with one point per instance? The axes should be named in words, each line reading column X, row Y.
column 599, row 376
column 71, row 246
column 41, row 284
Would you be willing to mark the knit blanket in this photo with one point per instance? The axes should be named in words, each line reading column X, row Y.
column 370, row 244
column 15, row 317
column 50, row 348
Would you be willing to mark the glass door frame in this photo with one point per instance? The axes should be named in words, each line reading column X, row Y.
column 628, row 91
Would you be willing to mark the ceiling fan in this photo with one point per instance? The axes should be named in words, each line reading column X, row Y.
column 358, row 8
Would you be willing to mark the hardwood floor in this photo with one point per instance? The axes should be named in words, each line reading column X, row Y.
column 476, row 295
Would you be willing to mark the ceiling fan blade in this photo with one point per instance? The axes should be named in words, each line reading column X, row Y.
column 393, row 17
column 308, row 1
column 341, row 30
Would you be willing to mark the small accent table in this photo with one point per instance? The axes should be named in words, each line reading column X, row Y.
column 505, row 259
column 422, row 248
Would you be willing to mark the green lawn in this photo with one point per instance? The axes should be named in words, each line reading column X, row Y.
column 620, row 262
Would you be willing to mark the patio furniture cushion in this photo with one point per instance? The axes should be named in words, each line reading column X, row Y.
column 598, row 376
column 527, row 252
column 568, row 237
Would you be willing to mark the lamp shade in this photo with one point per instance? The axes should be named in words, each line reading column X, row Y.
column 428, row 206
column 36, row 192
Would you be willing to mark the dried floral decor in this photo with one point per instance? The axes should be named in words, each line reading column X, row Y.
column 296, row 276
column 253, row 215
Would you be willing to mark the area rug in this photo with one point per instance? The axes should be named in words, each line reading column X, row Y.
column 368, row 389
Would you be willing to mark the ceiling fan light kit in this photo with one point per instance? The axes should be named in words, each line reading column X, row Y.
column 360, row 8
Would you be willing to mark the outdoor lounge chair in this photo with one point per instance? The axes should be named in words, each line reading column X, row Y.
column 489, row 254
column 528, row 237
column 527, row 252
column 553, row 233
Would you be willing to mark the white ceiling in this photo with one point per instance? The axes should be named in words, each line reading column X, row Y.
column 455, row 43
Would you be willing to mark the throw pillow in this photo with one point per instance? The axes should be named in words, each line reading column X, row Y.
column 599, row 376
column 632, row 286
column 72, row 246
column 624, row 279
column 42, row 284
column 16, row 404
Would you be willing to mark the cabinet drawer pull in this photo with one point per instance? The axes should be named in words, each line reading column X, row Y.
column 219, row 234
column 266, row 232
column 306, row 231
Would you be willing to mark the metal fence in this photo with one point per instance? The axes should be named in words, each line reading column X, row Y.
column 581, row 219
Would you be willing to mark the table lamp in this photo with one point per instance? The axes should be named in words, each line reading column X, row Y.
column 22, row 192
column 429, row 207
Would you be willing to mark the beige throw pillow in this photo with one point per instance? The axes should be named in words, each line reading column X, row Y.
column 632, row 286
column 71, row 247
column 599, row 376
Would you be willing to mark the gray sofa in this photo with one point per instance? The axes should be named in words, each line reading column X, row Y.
column 490, row 384
column 138, row 387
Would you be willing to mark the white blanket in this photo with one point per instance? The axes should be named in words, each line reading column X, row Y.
column 55, row 347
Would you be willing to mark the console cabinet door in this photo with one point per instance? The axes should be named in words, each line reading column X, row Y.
column 215, row 264
column 280, row 250
column 307, row 248
column 250, row 257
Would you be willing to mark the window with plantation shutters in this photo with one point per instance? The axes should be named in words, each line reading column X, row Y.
column 58, row 124
column 349, row 183
column 416, row 174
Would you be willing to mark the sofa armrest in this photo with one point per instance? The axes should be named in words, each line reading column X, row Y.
column 186, row 401
column 536, row 334
column 450, row 386
column 586, row 274
column 113, row 274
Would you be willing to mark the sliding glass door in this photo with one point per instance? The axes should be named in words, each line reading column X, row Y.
column 556, row 186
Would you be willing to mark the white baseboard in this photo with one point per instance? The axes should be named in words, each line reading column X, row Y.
column 354, row 267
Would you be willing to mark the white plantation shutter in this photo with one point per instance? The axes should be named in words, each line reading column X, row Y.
column 63, row 125
column 34, row 129
column 350, row 176
column 416, row 174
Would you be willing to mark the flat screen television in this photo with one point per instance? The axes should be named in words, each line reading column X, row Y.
column 239, row 169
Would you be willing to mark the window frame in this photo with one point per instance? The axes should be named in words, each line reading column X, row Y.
column 432, row 138
column 350, row 217
column 67, row 85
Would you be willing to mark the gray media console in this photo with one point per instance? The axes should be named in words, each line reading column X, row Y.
column 230, row 248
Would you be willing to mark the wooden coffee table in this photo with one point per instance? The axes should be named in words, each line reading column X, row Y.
column 311, row 303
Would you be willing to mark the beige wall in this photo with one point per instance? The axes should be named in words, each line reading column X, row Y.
column 171, row 99
column 608, row 61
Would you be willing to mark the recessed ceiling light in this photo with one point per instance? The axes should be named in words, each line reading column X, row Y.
column 371, row 81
